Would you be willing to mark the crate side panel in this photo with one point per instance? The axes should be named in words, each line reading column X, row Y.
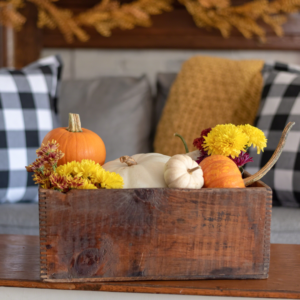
column 43, row 234
column 156, row 233
column 267, row 232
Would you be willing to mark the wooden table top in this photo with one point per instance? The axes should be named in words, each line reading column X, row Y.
column 19, row 267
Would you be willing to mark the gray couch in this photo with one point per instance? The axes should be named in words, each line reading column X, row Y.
column 126, row 101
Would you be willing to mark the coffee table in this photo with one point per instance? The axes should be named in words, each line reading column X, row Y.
column 19, row 267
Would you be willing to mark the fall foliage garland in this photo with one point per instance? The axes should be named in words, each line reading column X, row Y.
column 110, row 14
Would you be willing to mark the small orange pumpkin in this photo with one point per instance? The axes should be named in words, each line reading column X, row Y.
column 77, row 143
column 221, row 172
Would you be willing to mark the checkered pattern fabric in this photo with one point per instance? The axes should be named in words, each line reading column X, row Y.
column 27, row 112
column 280, row 104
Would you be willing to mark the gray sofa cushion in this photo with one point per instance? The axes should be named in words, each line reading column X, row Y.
column 19, row 218
column 285, row 225
column 118, row 109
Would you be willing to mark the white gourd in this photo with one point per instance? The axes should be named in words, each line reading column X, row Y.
column 181, row 171
column 140, row 170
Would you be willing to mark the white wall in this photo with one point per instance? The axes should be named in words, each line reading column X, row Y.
column 81, row 63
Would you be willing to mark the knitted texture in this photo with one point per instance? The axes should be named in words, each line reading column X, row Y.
column 206, row 92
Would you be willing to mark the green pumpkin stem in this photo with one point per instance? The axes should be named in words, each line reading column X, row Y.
column 74, row 123
column 183, row 141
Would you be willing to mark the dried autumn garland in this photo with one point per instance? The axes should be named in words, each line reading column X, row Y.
column 110, row 14
column 74, row 175
column 220, row 14
column 104, row 17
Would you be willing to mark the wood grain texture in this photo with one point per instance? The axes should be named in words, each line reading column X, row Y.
column 19, row 267
column 155, row 234
column 20, row 48
column 28, row 41
column 3, row 46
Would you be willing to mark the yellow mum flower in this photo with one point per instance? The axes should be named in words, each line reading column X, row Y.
column 112, row 180
column 227, row 140
column 87, row 185
column 256, row 137
column 92, row 174
column 98, row 176
column 86, row 168
column 67, row 169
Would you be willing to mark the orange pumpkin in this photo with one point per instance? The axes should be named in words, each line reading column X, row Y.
column 77, row 143
column 221, row 172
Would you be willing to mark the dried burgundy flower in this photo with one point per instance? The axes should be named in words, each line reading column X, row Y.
column 242, row 159
column 75, row 182
column 45, row 164
column 42, row 178
column 59, row 182
column 37, row 165
column 65, row 183
column 198, row 142
column 50, row 153
column 200, row 158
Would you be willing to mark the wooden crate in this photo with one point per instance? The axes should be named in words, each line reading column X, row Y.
column 155, row 234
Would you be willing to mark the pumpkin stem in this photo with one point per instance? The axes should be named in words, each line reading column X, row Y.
column 192, row 170
column 183, row 141
column 128, row 160
column 251, row 179
column 74, row 123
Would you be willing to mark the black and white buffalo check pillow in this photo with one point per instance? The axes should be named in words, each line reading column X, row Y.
column 27, row 112
column 280, row 104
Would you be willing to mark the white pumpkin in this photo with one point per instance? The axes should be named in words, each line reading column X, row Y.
column 140, row 170
column 181, row 171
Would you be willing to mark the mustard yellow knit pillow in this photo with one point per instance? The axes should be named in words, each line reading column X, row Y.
column 208, row 91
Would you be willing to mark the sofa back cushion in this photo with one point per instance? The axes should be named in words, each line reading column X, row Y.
column 118, row 109
column 204, row 95
column 280, row 104
column 27, row 112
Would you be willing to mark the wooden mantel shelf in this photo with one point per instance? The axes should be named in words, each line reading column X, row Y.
column 19, row 267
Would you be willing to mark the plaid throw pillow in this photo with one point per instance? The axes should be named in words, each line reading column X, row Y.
column 27, row 112
column 280, row 104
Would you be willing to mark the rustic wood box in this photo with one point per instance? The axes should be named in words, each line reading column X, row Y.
column 155, row 234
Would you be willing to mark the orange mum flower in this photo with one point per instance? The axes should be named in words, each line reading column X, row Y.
column 65, row 183
column 50, row 153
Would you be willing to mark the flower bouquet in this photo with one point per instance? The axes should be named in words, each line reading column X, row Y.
column 73, row 175
column 231, row 141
